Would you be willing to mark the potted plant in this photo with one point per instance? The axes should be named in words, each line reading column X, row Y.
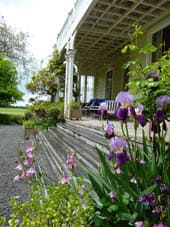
column 75, row 110
column 29, row 128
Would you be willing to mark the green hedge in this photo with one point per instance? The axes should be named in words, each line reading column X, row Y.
column 8, row 119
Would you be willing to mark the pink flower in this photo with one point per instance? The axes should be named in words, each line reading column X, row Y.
column 139, row 224
column 142, row 161
column 161, row 224
column 30, row 172
column 64, row 179
column 22, row 175
column 17, row 178
column 133, row 180
column 29, row 154
column 29, row 148
column 28, row 162
column 19, row 167
column 118, row 170
column 70, row 161
column 112, row 196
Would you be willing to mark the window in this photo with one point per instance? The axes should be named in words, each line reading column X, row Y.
column 86, row 88
column 161, row 39
column 108, row 88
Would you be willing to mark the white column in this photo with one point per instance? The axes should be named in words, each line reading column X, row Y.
column 69, row 81
column 66, row 87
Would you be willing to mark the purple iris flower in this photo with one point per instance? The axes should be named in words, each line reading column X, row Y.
column 152, row 74
column 148, row 199
column 141, row 119
column 108, row 127
column 121, row 113
column 165, row 189
column 103, row 106
column 124, row 97
column 157, row 180
column 155, row 127
column 160, row 116
column 109, row 130
column 160, row 101
column 117, row 143
column 121, row 157
column 157, row 209
column 132, row 111
column 140, row 108
column 102, row 112
column 155, row 77
column 111, row 155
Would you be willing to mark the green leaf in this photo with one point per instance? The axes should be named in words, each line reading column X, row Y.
column 113, row 208
column 96, row 186
column 124, row 50
column 132, row 47
column 149, row 190
column 125, row 198
column 106, row 169
column 128, row 216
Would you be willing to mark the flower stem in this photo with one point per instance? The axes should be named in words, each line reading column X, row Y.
column 126, row 135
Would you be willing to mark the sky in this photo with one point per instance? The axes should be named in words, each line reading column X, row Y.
column 41, row 19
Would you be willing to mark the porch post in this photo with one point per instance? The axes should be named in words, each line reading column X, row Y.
column 66, row 87
column 68, row 81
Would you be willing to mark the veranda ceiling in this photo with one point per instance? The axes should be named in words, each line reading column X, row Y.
column 105, row 28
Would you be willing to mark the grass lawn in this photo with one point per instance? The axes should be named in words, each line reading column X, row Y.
column 13, row 111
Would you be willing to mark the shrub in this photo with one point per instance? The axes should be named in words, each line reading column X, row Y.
column 30, row 123
column 61, row 205
column 8, row 119
column 46, row 114
column 74, row 105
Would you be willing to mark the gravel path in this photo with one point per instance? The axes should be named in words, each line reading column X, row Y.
column 11, row 138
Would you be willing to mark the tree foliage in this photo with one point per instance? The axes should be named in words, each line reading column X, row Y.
column 13, row 45
column 44, row 81
column 9, row 92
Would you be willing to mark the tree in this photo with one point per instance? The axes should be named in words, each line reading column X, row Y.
column 13, row 45
column 9, row 92
column 46, row 80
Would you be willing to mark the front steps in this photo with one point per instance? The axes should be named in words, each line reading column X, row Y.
column 57, row 142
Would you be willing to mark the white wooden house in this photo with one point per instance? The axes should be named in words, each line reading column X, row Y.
column 92, row 38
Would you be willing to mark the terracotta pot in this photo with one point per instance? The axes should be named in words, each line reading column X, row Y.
column 75, row 114
column 29, row 132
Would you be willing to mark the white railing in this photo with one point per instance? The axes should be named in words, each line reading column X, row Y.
column 112, row 106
